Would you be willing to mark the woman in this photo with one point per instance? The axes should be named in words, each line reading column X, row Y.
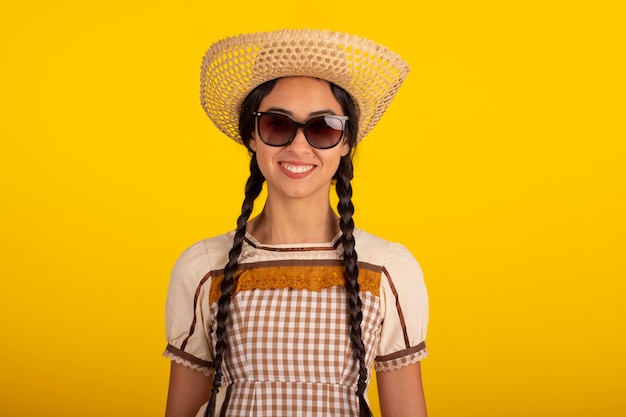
column 286, row 315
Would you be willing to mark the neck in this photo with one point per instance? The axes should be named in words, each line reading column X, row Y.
column 296, row 222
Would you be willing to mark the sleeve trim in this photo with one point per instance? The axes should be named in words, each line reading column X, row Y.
column 174, row 352
column 401, row 359
column 402, row 353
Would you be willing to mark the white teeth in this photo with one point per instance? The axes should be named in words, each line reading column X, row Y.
column 297, row 169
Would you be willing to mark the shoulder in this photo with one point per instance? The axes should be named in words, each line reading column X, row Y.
column 378, row 251
column 202, row 257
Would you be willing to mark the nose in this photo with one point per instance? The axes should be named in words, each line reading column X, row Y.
column 299, row 143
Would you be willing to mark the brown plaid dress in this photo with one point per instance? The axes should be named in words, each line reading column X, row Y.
column 288, row 335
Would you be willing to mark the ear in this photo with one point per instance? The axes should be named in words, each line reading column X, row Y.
column 345, row 148
column 252, row 143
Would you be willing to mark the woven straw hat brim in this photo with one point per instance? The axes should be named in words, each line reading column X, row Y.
column 232, row 67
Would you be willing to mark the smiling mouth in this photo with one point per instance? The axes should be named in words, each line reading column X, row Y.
column 297, row 169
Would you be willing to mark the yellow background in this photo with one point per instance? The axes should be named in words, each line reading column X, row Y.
column 500, row 165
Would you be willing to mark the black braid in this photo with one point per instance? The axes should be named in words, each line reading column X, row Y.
column 346, row 223
column 253, row 189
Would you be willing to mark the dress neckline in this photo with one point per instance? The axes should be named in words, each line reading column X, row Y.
column 288, row 247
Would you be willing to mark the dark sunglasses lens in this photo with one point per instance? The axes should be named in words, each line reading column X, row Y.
column 275, row 130
column 325, row 131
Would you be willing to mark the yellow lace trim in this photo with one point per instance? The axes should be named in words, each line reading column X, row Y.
column 312, row 278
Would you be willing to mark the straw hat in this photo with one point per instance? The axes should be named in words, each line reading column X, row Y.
column 234, row 66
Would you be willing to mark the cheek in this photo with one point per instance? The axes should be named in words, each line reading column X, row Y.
column 335, row 165
column 264, row 159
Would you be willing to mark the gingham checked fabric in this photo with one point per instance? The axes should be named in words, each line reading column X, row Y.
column 294, row 345
column 289, row 349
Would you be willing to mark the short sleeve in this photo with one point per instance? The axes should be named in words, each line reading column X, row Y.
column 404, row 302
column 188, row 318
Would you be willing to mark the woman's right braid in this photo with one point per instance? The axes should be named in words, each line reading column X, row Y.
column 254, row 185
column 346, row 210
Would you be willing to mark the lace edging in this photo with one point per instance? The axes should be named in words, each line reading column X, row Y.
column 400, row 362
column 206, row 371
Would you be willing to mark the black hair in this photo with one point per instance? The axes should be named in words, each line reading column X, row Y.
column 345, row 208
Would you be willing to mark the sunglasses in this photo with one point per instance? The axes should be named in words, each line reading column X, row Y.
column 323, row 132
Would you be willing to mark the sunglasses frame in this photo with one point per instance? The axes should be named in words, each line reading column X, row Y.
column 298, row 126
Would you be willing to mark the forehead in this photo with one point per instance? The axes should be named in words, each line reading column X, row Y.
column 301, row 95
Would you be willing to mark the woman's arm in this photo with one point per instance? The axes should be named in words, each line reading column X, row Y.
column 188, row 390
column 401, row 393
